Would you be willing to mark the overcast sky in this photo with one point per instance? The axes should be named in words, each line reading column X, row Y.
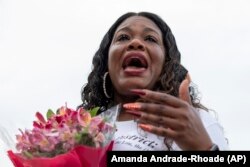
column 46, row 49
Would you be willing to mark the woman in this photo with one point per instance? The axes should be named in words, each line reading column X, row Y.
column 138, row 65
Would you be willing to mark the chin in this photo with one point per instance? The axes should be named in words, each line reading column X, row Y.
column 124, row 86
column 126, row 90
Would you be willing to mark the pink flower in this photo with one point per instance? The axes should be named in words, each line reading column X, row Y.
column 95, row 125
column 63, row 131
column 99, row 139
column 65, row 139
column 84, row 117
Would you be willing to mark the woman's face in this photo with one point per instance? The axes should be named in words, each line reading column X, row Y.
column 136, row 55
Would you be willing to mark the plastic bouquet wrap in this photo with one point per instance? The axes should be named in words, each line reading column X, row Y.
column 67, row 138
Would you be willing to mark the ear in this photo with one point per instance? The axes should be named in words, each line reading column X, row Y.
column 184, row 89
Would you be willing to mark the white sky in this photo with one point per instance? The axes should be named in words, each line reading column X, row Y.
column 46, row 49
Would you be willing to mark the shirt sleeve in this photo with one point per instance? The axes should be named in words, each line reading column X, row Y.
column 214, row 129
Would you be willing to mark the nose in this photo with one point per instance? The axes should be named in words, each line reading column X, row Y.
column 136, row 44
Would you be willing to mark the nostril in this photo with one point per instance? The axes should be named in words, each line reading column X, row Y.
column 140, row 47
column 131, row 47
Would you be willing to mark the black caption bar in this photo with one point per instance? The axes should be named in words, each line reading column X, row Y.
column 177, row 158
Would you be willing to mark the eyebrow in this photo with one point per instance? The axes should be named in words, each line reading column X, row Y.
column 125, row 29
column 147, row 29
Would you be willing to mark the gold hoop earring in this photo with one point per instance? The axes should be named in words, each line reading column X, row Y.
column 104, row 85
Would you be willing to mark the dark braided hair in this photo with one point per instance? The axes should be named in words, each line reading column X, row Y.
column 173, row 73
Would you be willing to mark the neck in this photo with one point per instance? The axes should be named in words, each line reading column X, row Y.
column 129, row 98
column 123, row 116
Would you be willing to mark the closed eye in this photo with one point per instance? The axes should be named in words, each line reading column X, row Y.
column 151, row 38
column 123, row 37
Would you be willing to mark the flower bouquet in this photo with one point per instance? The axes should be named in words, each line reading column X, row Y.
column 66, row 138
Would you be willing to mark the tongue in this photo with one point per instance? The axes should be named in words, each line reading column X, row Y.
column 134, row 69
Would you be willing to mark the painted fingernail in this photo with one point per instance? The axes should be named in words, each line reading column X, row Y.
column 132, row 106
column 138, row 92
column 146, row 127
column 135, row 113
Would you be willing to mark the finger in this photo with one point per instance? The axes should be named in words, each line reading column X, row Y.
column 152, row 108
column 160, row 131
column 158, row 97
column 188, row 78
column 184, row 91
column 160, row 121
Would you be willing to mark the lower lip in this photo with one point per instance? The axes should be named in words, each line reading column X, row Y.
column 134, row 71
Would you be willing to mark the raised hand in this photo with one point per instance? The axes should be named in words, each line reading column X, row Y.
column 171, row 117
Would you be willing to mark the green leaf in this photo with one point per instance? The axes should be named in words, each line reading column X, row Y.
column 50, row 113
column 83, row 137
column 93, row 111
column 28, row 154
column 78, row 137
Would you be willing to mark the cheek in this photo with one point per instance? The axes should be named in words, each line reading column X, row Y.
column 114, row 57
column 111, row 57
column 113, row 52
column 159, row 59
column 159, row 66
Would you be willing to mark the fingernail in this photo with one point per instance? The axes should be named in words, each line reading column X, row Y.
column 145, row 127
column 132, row 106
column 135, row 113
column 138, row 92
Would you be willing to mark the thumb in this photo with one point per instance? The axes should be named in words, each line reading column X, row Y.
column 184, row 90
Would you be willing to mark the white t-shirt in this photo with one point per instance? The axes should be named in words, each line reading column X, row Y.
column 131, row 138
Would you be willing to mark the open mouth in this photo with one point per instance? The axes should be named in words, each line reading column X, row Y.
column 135, row 62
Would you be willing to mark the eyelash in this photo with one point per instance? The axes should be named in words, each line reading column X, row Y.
column 151, row 39
column 124, row 37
